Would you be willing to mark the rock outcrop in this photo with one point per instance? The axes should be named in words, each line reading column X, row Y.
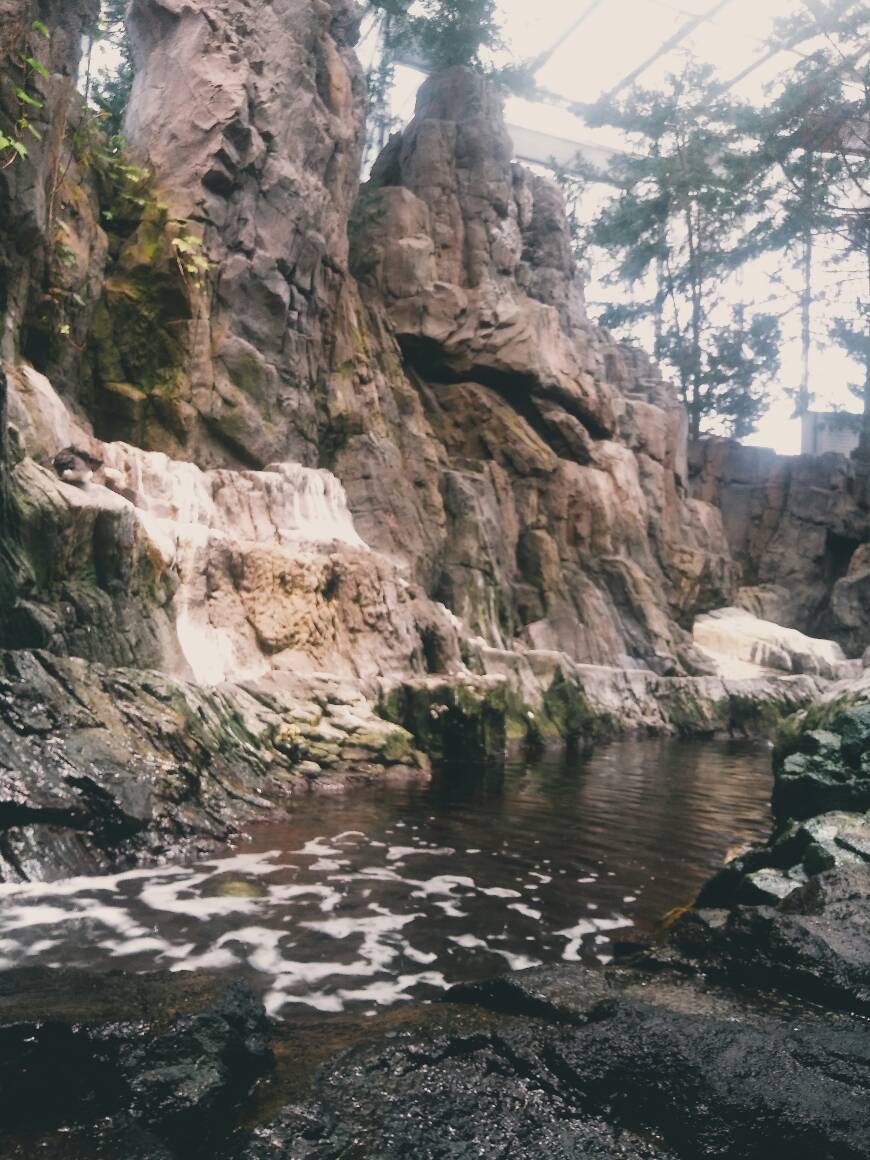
column 798, row 528
column 256, row 142
column 792, row 913
column 561, row 455
column 740, row 644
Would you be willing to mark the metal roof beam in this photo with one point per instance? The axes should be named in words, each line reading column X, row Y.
column 671, row 43
column 538, row 62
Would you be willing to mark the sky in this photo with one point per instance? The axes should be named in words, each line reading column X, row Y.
column 617, row 36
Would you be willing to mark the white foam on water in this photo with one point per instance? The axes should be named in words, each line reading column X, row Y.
column 281, row 918
column 528, row 911
column 442, row 884
column 319, row 848
column 416, row 956
column 167, row 897
column 452, row 910
column 470, row 941
column 517, row 962
column 396, row 852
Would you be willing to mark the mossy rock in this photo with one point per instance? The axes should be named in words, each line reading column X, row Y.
column 452, row 722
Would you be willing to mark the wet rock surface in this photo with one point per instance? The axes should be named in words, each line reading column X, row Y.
column 566, row 1061
column 102, row 768
column 796, row 912
column 157, row 1059
column 743, row 1035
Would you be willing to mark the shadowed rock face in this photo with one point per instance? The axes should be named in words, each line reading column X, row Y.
column 797, row 527
column 46, row 190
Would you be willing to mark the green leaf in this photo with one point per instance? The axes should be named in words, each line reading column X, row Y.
column 26, row 99
column 36, row 66
column 41, row 28
column 33, row 131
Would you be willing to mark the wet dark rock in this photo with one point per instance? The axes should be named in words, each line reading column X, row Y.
column 188, row 1079
column 662, row 1068
column 457, row 1095
column 161, row 1057
column 721, row 1088
column 825, row 769
column 815, row 943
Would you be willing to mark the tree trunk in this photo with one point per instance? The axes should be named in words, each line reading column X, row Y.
column 864, row 444
column 803, row 403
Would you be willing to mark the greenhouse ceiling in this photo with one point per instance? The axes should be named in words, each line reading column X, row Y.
column 579, row 50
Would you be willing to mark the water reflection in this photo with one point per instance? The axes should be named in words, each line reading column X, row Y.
column 397, row 892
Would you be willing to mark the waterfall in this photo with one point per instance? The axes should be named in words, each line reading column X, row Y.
column 194, row 518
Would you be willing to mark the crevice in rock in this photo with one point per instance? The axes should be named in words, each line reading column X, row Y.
column 425, row 358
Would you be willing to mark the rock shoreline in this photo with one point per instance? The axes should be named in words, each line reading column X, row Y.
column 742, row 1035
column 103, row 768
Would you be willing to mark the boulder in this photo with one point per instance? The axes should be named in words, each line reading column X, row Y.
column 740, row 644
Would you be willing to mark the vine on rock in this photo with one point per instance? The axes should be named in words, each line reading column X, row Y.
column 12, row 146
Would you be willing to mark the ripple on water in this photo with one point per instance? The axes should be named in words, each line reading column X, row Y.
column 398, row 892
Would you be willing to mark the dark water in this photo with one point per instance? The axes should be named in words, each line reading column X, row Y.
column 397, row 892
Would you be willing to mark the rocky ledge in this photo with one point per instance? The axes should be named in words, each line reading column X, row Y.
column 102, row 768
column 742, row 1035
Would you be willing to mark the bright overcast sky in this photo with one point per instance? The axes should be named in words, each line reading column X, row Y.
column 616, row 37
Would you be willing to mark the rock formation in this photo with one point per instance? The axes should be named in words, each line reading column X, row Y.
column 512, row 457
column 360, row 441
column 362, row 482
column 797, row 527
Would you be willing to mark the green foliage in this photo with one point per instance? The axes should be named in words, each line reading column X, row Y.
column 443, row 32
column 807, row 138
column 454, row 32
column 12, row 144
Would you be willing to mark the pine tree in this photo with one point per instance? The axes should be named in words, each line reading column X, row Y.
column 442, row 33
column 439, row 34
column 110, row 91
column 810, row 138
column 675, row 229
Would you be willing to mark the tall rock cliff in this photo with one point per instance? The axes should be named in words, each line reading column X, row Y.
column 524, row 469
column 561, row 455
column 798, row 528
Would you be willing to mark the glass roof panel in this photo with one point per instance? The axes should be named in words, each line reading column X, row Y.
column 616, row 36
